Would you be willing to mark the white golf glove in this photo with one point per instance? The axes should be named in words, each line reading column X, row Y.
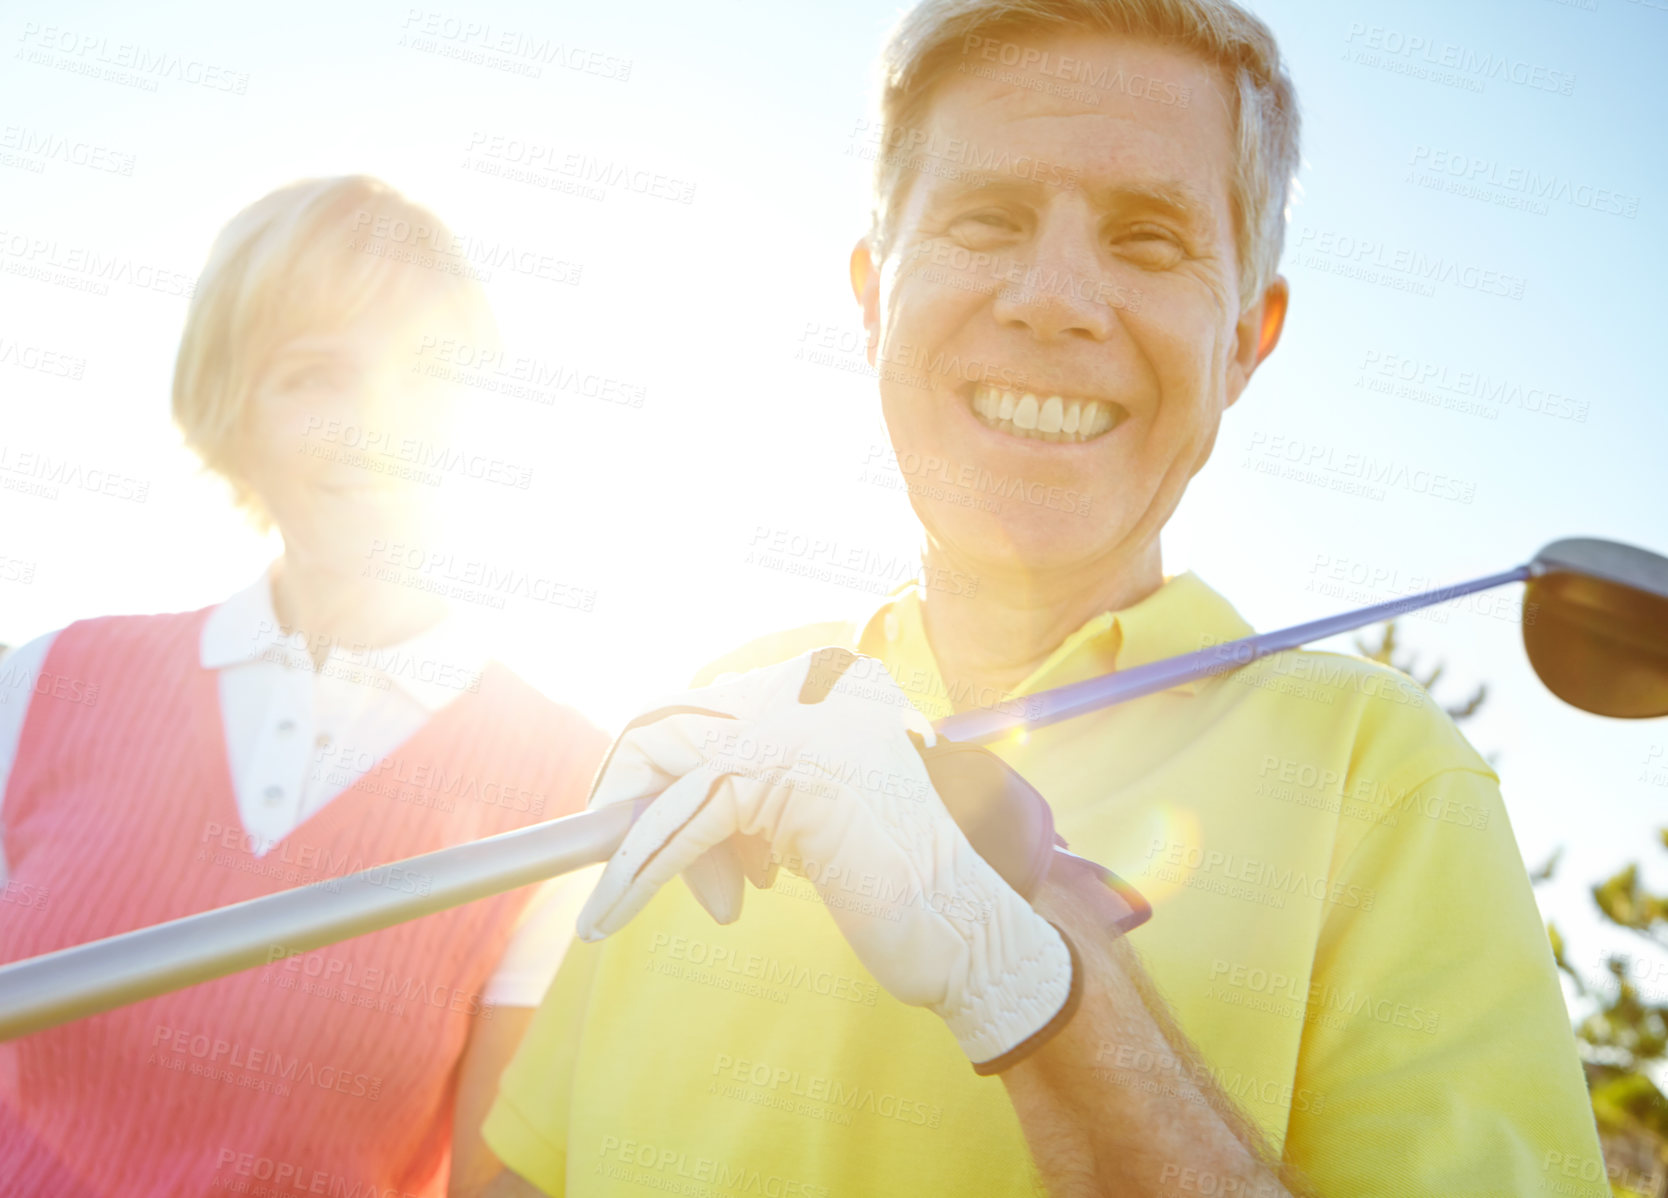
column 811, row 765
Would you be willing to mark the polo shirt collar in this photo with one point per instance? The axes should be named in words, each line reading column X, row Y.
column 1182, row 615
column 245, row 629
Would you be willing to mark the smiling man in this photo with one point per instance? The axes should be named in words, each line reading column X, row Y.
column 1345, row 988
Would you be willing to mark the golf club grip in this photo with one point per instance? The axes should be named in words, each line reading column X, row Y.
column 1006, row 821
column 1011, row 825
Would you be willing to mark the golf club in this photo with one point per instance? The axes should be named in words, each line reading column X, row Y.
column 1595, row 627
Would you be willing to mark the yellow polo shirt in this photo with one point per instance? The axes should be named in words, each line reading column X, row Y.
column 1342, row 924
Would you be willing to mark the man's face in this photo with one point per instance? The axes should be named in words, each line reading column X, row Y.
column 1058, row 321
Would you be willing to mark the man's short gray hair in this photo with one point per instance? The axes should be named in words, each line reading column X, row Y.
column 934, row 35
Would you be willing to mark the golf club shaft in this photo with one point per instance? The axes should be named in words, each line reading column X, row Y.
column 54, row 988
column 984, row 725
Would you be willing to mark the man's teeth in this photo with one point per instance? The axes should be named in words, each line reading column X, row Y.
column 1050, row 418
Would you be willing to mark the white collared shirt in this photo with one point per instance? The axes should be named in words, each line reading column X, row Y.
column 297, row 737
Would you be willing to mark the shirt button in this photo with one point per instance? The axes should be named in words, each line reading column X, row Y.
column 322, row 740
column 286, row 725
column 273, row 794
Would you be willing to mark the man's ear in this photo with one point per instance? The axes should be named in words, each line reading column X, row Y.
column 1256, row 335
column 865, row 287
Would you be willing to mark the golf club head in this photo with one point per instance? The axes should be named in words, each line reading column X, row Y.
column 1595, row 626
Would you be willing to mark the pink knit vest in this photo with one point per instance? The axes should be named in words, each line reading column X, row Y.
column 332, row 1072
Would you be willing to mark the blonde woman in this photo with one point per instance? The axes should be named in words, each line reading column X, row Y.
column 317, row 722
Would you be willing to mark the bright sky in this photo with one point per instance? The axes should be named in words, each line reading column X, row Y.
column 753, row 111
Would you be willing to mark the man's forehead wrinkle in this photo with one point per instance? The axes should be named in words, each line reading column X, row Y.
column 990, row 119
column 1167, row 193
column 1170, row 193
column 982, row 101
column 1107, row 184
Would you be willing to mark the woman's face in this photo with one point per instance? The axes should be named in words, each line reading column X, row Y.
column 336, row 434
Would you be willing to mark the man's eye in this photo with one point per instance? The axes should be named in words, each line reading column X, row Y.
column 996, row 220
column 985, row 226
column 1149, row 246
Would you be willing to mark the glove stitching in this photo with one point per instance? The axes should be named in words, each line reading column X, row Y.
column 678, row 831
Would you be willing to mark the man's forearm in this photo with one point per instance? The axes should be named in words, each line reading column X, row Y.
column 1118, row 1102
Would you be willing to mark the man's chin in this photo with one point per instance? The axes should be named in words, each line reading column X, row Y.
column 1014, row 535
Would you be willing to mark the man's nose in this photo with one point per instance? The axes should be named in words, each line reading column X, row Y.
column 1063, row 290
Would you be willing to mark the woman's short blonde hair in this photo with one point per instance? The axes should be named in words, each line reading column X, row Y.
column 931, row 38
column 309, row 258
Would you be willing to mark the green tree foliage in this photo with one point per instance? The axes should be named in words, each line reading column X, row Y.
column 1627, row 1032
